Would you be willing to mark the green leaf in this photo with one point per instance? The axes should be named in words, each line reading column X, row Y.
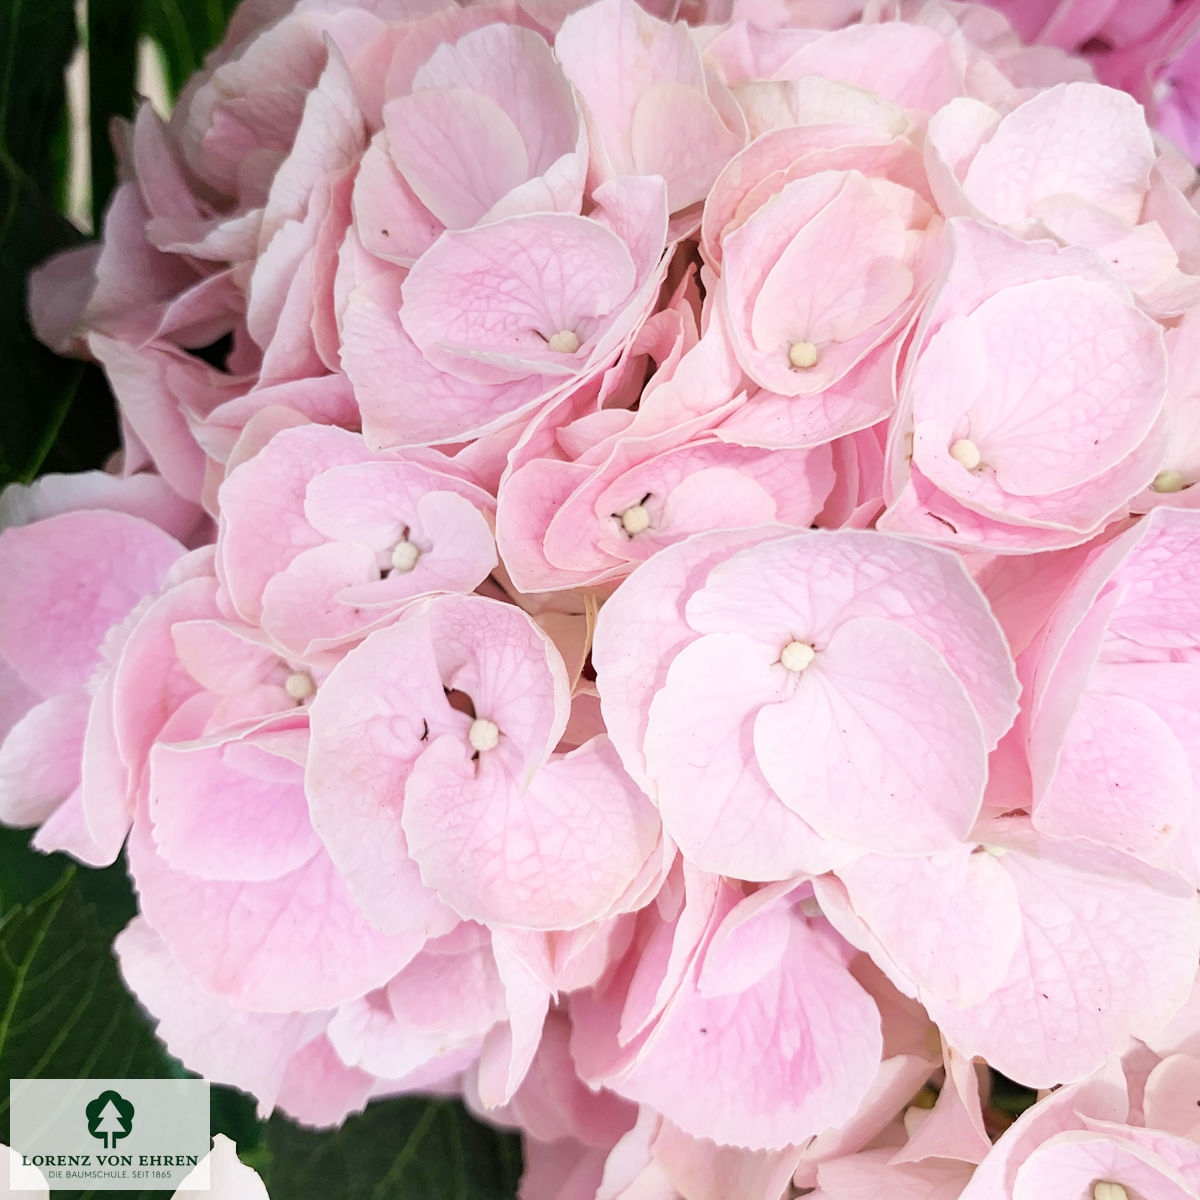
column 64, row 1011
column 56, row 413
column 1011, row 1097
column 402, row 1149
column 185, row 31
column 112, row 40
column 37, row 39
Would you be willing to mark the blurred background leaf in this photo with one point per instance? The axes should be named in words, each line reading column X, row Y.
column 38, row 429
column 402, row 1149
column 184, row 31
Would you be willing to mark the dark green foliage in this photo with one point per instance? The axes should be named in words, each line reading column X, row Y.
column 404, row 1149
column 39, row 427
column 63, row 1009
column 185, row 30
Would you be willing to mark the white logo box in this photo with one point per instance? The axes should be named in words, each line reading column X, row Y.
column 108, row 1134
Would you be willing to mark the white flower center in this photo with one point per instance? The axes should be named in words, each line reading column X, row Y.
column 1168, row 481
column 796, row 656
column 483, row 734
column 995, row 851
column 404, row 556
column 299, row 685
column 966, row 453
column 802, row 355
column 565, row 341
column 635, row 519
column 1105, row 1190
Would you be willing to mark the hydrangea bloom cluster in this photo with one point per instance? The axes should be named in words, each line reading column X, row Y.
column 653, row 583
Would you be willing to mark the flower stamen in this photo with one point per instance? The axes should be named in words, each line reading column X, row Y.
column 796, row 656
column 802, row 355
column 404, row 556
column 483, row 735
column 299, row 685
column 966, row 454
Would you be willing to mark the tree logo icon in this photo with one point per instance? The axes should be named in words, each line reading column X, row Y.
column 109, row 1118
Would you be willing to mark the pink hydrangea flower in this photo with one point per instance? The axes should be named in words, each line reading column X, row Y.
column 614, row 487
column 1010, row 168
column 89, row 551
column 493, row 319
column 490, row 128
column 824, row 238
column 654, row 106
column 761, row 687
column 1110, row 720
column 321, row 541
column 1031, row 401
column 733, row 1016
column 452, row 780
column 698, row 644
column 201, row 738
column 1091, row 1139
column 1085, row 947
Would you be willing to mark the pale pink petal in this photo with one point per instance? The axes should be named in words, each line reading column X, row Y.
column 65, row 581
column 221, row 1041
column 1103, row 955
column 951, row 923
column 230, row 811
column 878, row 746
column 458, row 151
column 1077, row 138
column 366, row 735
column 1122, row 779
column 714, row 799
column 293, row 943
column 870, row 1175
column 1074, row 1161
column 551, row 852
column 767, row 1066
column 1172, row 1097
column 40, row 758
column 320, row 1090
